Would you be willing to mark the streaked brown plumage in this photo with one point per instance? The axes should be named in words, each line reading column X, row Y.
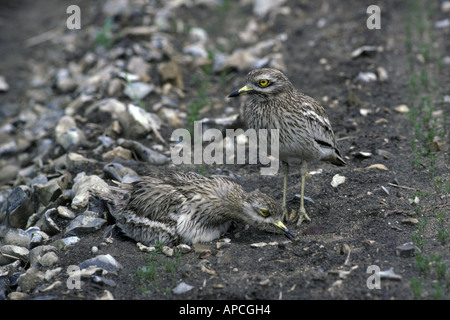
column 177, row 207
column 305, row 132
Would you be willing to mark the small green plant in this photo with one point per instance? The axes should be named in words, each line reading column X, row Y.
column 156, row 265
column 105, row 36
column 416, row 287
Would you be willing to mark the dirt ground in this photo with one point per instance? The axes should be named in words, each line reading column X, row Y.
column 355, row 225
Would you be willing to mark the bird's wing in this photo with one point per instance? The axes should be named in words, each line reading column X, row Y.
column 320, row 128
column 154, row 199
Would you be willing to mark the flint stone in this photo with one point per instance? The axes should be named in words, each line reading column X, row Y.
column 31, row 279
column 138, row 90
column 182, row 288
column 10, row 253
column 19, row 206
column 49, row 225
column 144, row 153
column 17, row 237
column 48, row 192
column 67, row 134
column 106, row 262
column 35, row 255
column 82, row 186
column 117, row 171
column 137, row 122
column 406, row 250
column 63, row 243
column 49, row 259
column 84, row 224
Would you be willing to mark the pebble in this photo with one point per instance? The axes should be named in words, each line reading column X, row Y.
column 144, row 153
column 81, row 187
column 19, row 206
column 4, row 86
column 402, row 108
column 9, row 253
column 262, row 7
column 389, row 274
column 138, row 90
column 407, row 250
column 106, row 262
column 84, row 224
column 363, row 50
column 337, row 180
column 258, row 245
column 31, row 279
column 182, row 287
column 366, row 76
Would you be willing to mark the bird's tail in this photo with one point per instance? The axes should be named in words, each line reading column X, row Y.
column 335, row 158
column 339, row 159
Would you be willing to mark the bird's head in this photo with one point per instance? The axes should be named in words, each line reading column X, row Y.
column 261, row 209
column 264, row 84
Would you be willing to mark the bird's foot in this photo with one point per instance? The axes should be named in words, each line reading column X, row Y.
column 303, row 217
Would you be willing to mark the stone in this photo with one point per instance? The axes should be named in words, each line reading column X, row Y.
column 118, row 152
column 64, row 81
column 262, row 7
column 8, row 173
column 403, row 108
column 362, row 50
column 19, row 206
column 382, row 74
column 389, row 274
column 81, row 187
column 49, row 259
column 138, row 90
column 182, row 288
column 117, row 172
column 62, row 244
column 17, row 237
column 137, row 122
column 366, row 76
column 84, row 224
column 49, row 225
column 66, row 213
column 106, row 262
column 35, row 255
column 258, row 245
column 48, row 192
column 67, row 134
column 4, row 86
column 9, row 253
column 139, row 66
column 143, row 153
column 31, row 279
column 103, row 280
column 407, row 250
column 106, row 295
column 170, row 72
column 337, row 180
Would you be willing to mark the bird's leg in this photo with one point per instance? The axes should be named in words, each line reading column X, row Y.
column 284, row 216
column 302, row 212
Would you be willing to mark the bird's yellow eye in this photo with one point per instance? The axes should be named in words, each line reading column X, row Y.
column 264, row 212
column 263, row 82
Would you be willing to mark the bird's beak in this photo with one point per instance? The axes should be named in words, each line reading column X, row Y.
column 285, row 230
column 243, row 90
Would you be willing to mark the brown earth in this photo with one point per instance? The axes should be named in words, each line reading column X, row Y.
column 357, row 215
